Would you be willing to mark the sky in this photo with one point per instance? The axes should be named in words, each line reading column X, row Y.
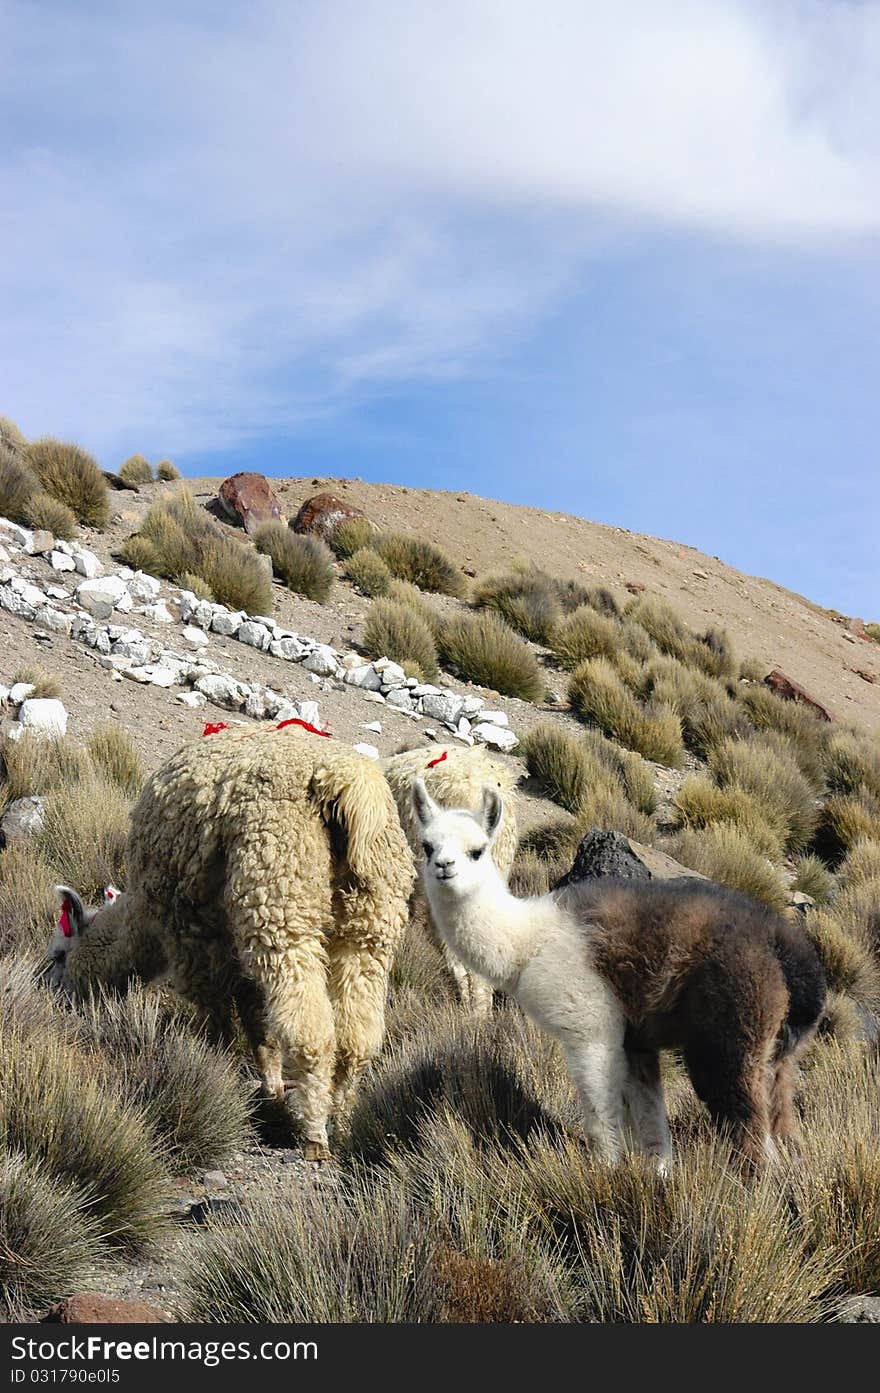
column 611, row 257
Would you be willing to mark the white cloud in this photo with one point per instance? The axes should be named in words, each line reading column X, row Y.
column 210, row 232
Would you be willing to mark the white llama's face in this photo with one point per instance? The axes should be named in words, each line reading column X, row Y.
column 456, row 843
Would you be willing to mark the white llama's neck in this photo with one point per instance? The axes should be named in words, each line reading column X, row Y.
column 490, row 930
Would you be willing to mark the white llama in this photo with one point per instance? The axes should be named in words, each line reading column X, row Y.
column 617, row 970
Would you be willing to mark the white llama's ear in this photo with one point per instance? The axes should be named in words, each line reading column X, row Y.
column 75, row 918
column 493, row 807
column 423, row 804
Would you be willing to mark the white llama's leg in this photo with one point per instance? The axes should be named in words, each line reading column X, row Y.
column 646, row 1108
column 599, row 1071
column 473, row 992
column 358, row 984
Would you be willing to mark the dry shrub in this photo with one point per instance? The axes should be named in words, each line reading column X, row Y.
column 184, row 540
column 710, row 653
column 599, row 697
column 303, row 562
column 73, row 477
column 366, row 570
column 84, row 834
column 197, row 585
column 862, row 862
column 706, row 712
column 45, row 684
column 584, row 634
column 873, row 631
column 858, row 906
column 766, row 768
column 812, row 877
column 753, row 669
column 852, row 765
column 805, row 732
column 527, row 600
column 700, row 803
column 563, row 765
column 166, row 471
column 351, row 535
column 140, row 554
column 28, row 903
column 530, row 876
column 395, row 631
column 114, row 755
column 33, row 765
column 136, row 470
column 849, row 964
column 405, row 593
column 11, row 437
column 44, row 511
column 48, row 1244
column 723, row 853
column 421, row 563
column 18, row 484
column 846, row 818
column 572, row 595
column 482, row 649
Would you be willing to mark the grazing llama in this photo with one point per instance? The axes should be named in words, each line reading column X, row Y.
column 456, row 775
column 266, row 872
column 618, row 970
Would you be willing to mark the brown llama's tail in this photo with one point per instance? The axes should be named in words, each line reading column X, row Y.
column 805, row 980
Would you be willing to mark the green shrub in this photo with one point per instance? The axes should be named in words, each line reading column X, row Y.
column 812, row 877
column 166, row 471
column 527, row 601
column 136, row 470
column 115, row 756
column 42, row 510
column 185, row 541
column 700, row 803
column 723, row 853
column 873, row 631
column 366, row 570
column 351, row 535
column 394, row 631
column 303, row 562
column 421, row 563
column 73, row 477
column 584, row 634
column 18, row 484
column 767, row 769
column 48, row 1244
column 599, row 697
column 481, row 648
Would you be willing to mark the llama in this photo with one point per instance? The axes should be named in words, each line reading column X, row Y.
column 268, row 872
column 456, row 775
column 618, row 970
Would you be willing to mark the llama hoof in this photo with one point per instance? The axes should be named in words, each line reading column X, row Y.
column 316, row 1151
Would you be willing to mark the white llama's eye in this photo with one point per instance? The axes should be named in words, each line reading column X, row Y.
column 428, row 849
column 476, row 853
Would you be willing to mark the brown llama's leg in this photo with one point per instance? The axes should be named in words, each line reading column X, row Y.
column 733, row 1084
column 783, row 1118
column 646, row 1107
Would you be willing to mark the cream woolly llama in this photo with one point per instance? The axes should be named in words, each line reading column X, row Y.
column 456, row 775
column 266, row 871
column 618, row 970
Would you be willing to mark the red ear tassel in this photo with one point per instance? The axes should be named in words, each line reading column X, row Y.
column 295, row 721
column 64, row 919
column 214, row 727
column 438, row 760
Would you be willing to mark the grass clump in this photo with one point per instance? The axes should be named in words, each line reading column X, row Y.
column 32, row 765
column 847, row 818
column 48, row 1244
column 861, row 864
column 565, row 768
column 113, row 753
column 73, row 477
column 303, row 562
column 766, row 768
column 395, row 631
column 849, row 964
column 11, row 437
column 136, row 470
column 368, row 572
column 482, row 649
column 710, row 653
column 600, row 698
column 812, row 877
column 351, row 535
column 28, row 903
column 527, row 600
column 42, row 510
column 140, row 555
column 18, row 484
column 166, row 471
column 873, row 631
column 699, row 803
column 723, row 853
column 583, row 634
column 805, row 732
column 421, row 563
column 45, row 684
column 84, row 833
column 185, row 541
column 852, row 765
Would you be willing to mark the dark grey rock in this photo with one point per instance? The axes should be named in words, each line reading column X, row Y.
column 612, row 854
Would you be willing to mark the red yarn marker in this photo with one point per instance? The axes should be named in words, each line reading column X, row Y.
column 295, row 721
column 64, row 920
column 213, row 727
column 438, row 760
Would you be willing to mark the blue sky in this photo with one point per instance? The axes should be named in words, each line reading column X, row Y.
column 618, row 259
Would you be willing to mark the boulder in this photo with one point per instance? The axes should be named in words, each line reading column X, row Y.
column 612, row 854
column 42, row 542
column 223, row 691
column 144, row 587
column 323, row 513
column 158, row 612
column 43, row 716
column 101, row 595
column 55, row 619
column 255, row 635
column 22, row 819
column 92, row 1309
column 323, row 662
column 364, row 676
column 288, row 648
column 248, row 499
column 87, row 563
column 226, row 621
column 193, row 637
column 192, row 699
column 20, row 691
column 13, row 603
column 60, row 561
column 499, row 737
column 19, row 536
column 445, row 707
column 790, row 690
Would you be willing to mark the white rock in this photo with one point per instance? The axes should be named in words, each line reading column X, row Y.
column 88, row 565
column 144, row 587
column 43, row 716
column 495, row 718
column 465, row 739
column 203, row 614
column 59, row 561
column 125, row 572
column 137, row 674
column 14, row 603
column 308, row 711
column 23, row 818
column 255, row 706
column 254, row 634
column 61, row 545
column 445, row 707
column 374, row 726
column 226, row 621
column 365, row 676
column 374, row 696
column 114, row 662
column 133, row 645
column 193, row 699
column 400, row 699
column 20, row 691
column 101, row 641
column 4, row 555
column 158, row 612
column 57, row 592
column 472, row 706
column 323, row 662
column 161, row 676
column 101, row 595
column 15, row 732
column 4, row 695
column 188, row 602
column 422, row 689
column 196, row 638
column 54, row 619
column 464, row 726
column 126, row 604
column 369, row 750
column 173, row 662
column 393, row 674
column 496, row 736
column 223, row 691
column 352, row 659
column 30, row 593
column 20, row 536
column 288, row 648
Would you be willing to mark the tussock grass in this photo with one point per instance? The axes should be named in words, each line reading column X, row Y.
column 420, row 562
column 198, row 585
column 48, row 1244
column 183, row 540
column 852, row 765
column 806, row 734
column 530, row 875
column 303, row 562
column 56, row 1112
column 73, row 477
column 723, row 853
column 368, row 572
column 707, row 713
column 873, row 631
column 403, row 592
column 166, row 471
column 527, row 601
column 193, row 1095
column 572, row 596
column 847, row 818
column 862, row 862
column 858, row 906
column 351, row 535
column 611, row 811
column 114, row 754
column 18, row 484
column 28, row 903
column 45, row 684
column 849, row 964
column 590, row 777
column 84, row 834
column 812, row 877
column 766, row 768
column 481, row 648
column 141, row 555
column 44, row 511
column 136, row 470
column 563, row 765
column 699, row 803
column 599, row 697
column 710, row 653
column 583, row 634
column 393, row 630
column 753, row 669
column 11, row 437
column 32, row 765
